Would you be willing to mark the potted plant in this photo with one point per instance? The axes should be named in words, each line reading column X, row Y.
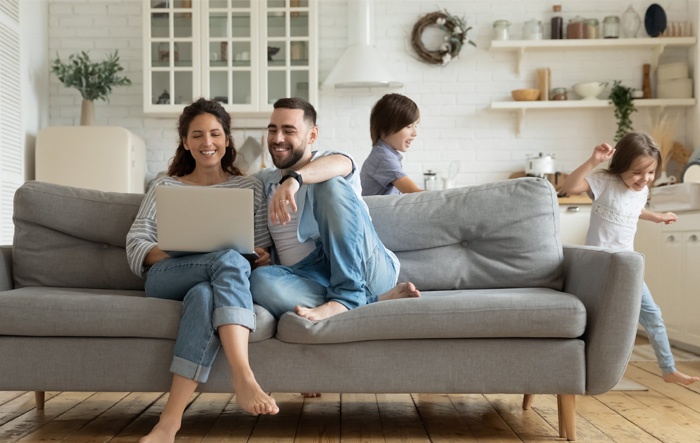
column 621, row 98
column 93, row 80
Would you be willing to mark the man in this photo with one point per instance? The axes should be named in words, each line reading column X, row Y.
column 331, row 259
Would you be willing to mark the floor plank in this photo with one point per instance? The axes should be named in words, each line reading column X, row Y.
column 400, row 419
column 360, row 421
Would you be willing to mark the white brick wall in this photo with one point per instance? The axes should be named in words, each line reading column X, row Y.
column 455, row 124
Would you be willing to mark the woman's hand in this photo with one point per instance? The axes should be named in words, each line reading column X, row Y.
column 154, row 256
column 263, row 258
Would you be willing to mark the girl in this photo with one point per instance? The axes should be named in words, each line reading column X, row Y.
column 619, row 195
column 214, row 288
column 392, row 124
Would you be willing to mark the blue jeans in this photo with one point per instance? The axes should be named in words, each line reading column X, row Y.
column 651, row 321
column 350, row 265
column 215, row 291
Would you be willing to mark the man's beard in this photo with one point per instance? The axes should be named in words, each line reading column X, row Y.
column 297, row 154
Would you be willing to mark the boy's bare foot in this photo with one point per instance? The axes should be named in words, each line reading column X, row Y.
column 679, row 377
column 402, row 290
column 251, row 397
column 163, row 432
column 318, row 313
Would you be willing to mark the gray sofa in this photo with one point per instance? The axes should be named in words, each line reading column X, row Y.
column 505, row 309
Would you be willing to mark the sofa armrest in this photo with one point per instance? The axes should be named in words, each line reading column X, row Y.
column 6, row 281
column 609, row 283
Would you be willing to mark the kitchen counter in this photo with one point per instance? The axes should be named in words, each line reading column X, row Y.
column 581, row 199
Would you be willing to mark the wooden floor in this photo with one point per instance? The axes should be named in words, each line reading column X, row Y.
column 665, row 413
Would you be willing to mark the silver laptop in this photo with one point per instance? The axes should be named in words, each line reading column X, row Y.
column 196, row 219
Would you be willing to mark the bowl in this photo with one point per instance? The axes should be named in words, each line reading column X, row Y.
column 589, row 90
column 525, row 95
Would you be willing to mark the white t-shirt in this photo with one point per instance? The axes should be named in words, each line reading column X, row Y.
column 289, row 250
column 615, row 211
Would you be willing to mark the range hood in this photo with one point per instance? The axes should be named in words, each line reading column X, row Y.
column 360, row 66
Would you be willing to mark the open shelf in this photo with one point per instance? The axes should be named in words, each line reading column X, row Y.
column 657, row 45
column 522, row 107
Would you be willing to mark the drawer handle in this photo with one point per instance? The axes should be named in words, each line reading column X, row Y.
column 573, row 209
column 693, row 238
column 671, row 238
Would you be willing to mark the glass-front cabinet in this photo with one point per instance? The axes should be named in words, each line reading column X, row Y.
column 243, row 53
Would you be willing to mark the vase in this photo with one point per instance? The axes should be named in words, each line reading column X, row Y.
column 630, row 22
column 87, row 113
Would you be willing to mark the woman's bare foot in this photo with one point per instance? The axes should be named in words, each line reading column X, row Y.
column 318, row 313
column 163, row 432
column 402, row 290
column 679, row 377
column 251, row 397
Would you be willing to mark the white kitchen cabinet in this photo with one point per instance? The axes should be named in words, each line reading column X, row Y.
column 672, row 264
column 573, row 223
column 243, row 53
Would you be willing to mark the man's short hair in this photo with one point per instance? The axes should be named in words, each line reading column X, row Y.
column 298, row 103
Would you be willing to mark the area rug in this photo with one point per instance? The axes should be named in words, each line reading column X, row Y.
column 646, row 353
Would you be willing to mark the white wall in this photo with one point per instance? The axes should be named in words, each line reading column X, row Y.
column 456, row 123
column 35, row 75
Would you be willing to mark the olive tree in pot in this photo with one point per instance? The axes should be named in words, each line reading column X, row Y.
column 621, row 98
column 94, row 80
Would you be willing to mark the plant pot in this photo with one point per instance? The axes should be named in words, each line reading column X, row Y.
column 87, row 113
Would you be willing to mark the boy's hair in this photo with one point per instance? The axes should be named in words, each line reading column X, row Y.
column 298, row 103
column 631, row 146
column 390, row 114
column 183, row 163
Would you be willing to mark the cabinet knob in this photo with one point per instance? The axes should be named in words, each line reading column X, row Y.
column 693, row 238
column 671, row 238
column 573, row 209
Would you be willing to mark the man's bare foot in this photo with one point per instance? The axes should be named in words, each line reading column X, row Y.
column 402, row 290
column 310, row 394
column 318, row 313
column 251, row 397
column 679, row 377
column 163, row 432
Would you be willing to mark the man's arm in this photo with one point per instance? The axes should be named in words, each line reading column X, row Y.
column 316, row 171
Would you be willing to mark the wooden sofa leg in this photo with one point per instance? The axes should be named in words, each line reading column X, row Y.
column 527, row 401
column 39, row 397
column 566, row 405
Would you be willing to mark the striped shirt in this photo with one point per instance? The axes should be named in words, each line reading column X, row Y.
column 143, row 235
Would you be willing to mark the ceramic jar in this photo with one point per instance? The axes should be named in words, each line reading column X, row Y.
column 611, row 27
column 501, row 30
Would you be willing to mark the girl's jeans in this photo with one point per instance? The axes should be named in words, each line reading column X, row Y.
column 215, row 291
column 350, row 265
column 650, row 319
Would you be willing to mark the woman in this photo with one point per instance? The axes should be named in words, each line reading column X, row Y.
column 214, row 288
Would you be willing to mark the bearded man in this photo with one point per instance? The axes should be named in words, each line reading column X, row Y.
column 328, row 256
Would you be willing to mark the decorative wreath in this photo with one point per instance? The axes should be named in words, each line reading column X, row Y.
column 455, row 37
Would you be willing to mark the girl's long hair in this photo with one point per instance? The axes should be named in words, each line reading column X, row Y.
column 631, row 146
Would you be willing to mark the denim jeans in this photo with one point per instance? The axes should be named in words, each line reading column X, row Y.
column 215, row 291
column 651, row 321
column 350, row 265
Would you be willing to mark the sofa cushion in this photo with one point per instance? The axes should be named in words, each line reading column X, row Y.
column 497, row 235
column 66, row 312
column 486, row 313
column 72, row 237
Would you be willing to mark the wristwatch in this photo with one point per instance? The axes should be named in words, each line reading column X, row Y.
column 294, row 175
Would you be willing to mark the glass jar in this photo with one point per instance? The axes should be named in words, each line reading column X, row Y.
column 592, row 28
column 501, row 30
column 611, row 27
column 559, row 94
column 430, row 180
column 557, row 31
column 576, row 28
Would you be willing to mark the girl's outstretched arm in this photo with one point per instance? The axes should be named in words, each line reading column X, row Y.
column 576, row 182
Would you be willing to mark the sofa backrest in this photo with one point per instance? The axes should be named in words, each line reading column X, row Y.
column 72, row 237
column 496, row 235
